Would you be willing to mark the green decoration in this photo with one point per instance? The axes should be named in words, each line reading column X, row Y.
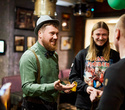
column 117, row 4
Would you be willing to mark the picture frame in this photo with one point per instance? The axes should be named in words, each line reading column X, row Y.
column 111, row 21
column 65, row 25
column 19, row 43
column 24, row 19
column 66, row 43
column 30, row 41
column 111, row 34
column 3, row 47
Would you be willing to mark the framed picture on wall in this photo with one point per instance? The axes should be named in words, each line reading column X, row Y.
column 111, row 34
column 90, row 23
column 19, row 43
column 66, row 43
column 2, row 47
column 24, row 19
column 65, row 22
column 30, row 41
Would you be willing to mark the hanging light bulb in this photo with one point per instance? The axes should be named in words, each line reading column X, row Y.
column 45, row 7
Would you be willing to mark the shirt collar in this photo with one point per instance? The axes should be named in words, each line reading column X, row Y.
column 41, row 48
column 44, row 51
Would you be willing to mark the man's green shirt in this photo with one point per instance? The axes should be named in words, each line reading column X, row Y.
column 48, row 74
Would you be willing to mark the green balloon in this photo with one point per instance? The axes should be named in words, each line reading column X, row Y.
column 117, row 4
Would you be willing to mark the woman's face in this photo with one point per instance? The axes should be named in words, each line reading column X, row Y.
column 100, row 36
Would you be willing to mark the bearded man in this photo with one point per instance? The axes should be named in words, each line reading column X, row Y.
column 39, row 68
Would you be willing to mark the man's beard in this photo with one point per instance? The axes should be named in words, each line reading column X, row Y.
column 49, row 46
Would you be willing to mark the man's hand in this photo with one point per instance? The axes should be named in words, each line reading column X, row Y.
column 69, row 90
column 95, row 95
column 89, row 89
column 60, row 87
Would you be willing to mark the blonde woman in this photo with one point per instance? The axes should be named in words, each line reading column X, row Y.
column 90, row 64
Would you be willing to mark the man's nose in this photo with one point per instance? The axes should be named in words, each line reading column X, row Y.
column 55, row 36
column 100, row 37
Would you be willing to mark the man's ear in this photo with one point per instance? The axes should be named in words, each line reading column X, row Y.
column 40, row 33
column 117, row 34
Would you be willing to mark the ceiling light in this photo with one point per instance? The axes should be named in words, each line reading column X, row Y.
column 45, row 7
column 65, row 2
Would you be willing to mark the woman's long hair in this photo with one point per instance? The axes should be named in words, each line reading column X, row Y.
column 92, row 52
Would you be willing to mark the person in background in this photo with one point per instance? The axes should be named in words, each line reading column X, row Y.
column 42, row 94
column 4, row 96
column 113, row 97
column 90, row 64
